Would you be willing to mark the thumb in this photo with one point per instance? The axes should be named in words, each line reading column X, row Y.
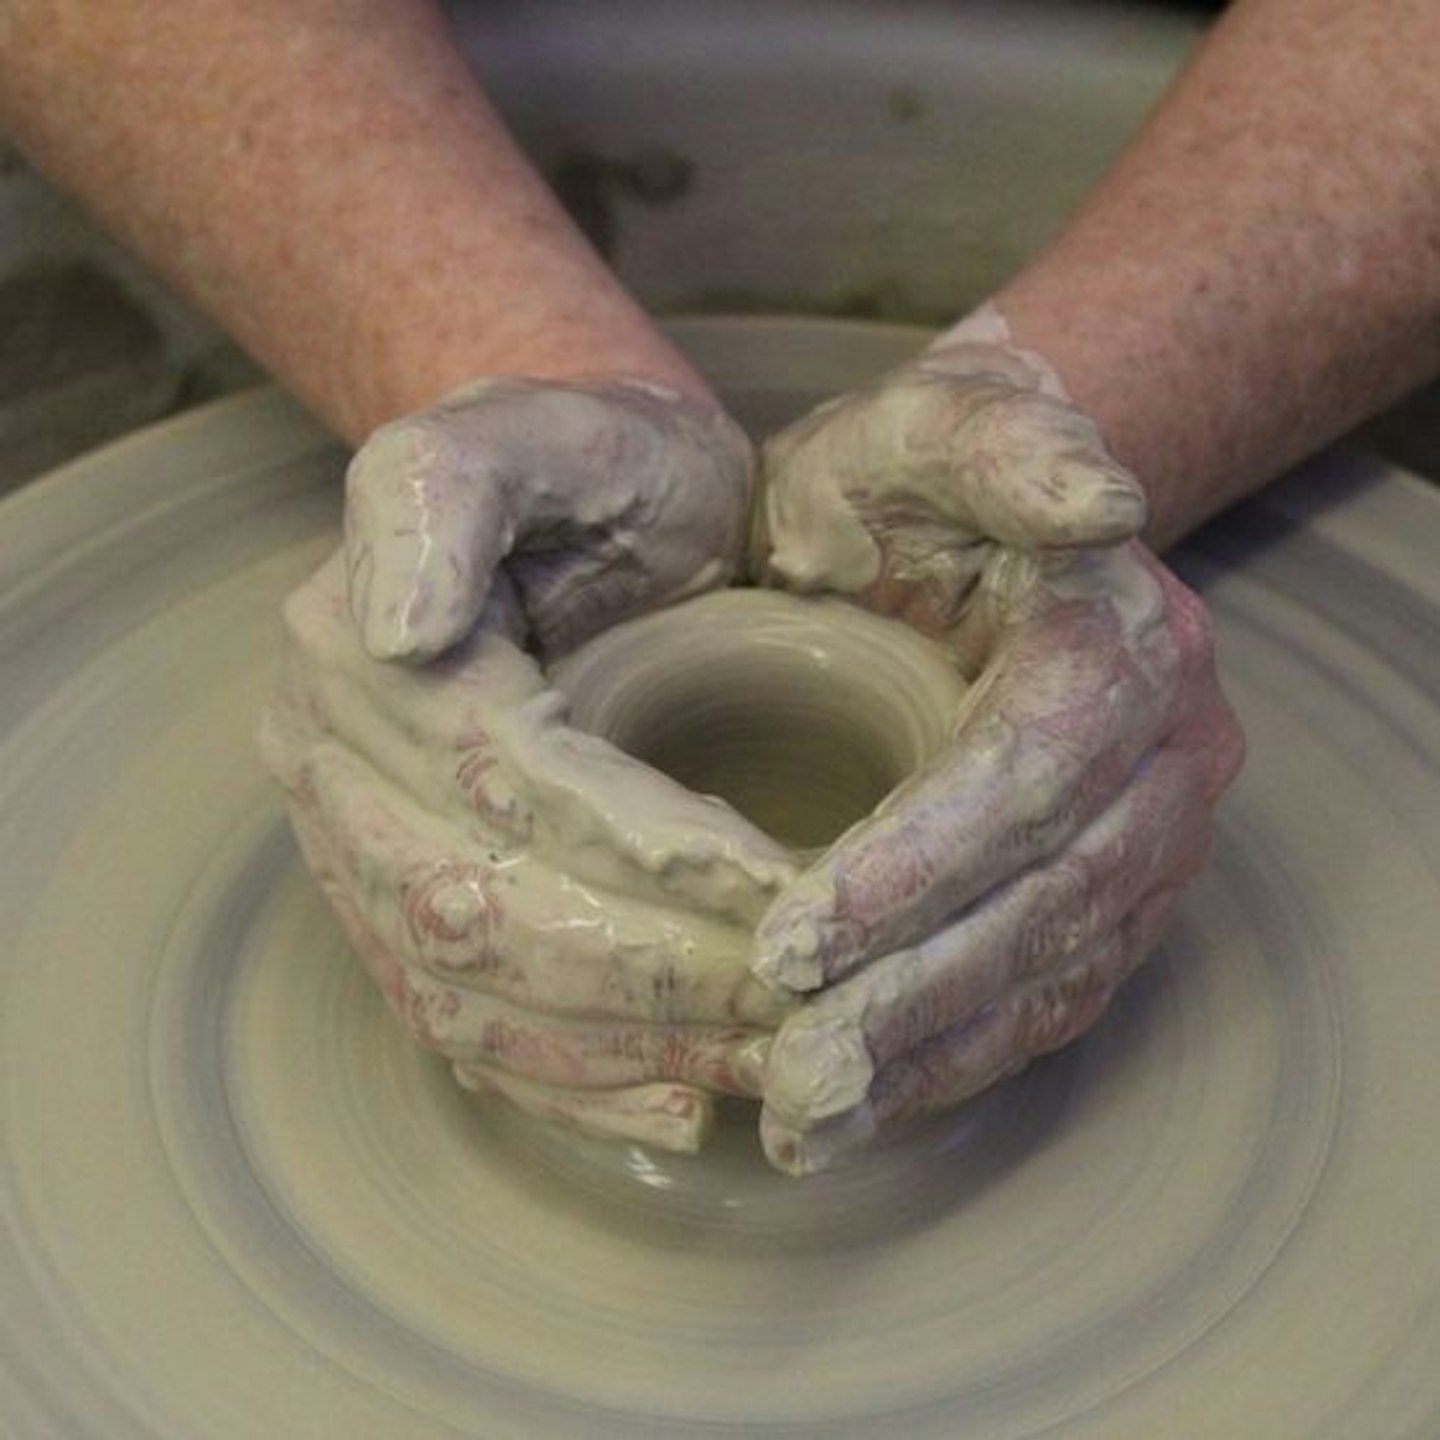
column 425, row 527
column 1025, row 467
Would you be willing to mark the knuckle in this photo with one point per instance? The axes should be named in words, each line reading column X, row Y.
column 1059, row 1013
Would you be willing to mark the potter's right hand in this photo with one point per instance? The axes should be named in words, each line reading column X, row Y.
column 567, row 927
column 598, row 501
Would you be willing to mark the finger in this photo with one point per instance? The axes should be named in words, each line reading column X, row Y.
column 1155, row 835
column 1069, row 702
column 595, row 1056
column 426, row 523
column 413, row 725
column 478, row 737
column 506, row 924
column 1206, row 725
column 677, row 1118
column 959, row 1063
column 1026, row 467
column 473, row 1027
column 900, row 483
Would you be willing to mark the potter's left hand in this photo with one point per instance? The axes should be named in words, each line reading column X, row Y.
column 988, row 910
column 566, row 926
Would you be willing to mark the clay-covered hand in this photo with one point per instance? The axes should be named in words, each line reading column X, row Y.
column 563, row 924
column 989, row 909
column 598, row 501
column 566, row 926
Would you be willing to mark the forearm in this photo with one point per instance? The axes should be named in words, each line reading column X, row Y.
column 327, row 180
column 1262, row 269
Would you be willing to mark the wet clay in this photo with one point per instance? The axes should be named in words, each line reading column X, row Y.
column 801, row 714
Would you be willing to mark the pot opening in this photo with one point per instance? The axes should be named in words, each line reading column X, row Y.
column 800, row 752
column 801, row 714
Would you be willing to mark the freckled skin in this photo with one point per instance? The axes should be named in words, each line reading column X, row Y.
column 1261, row 270
column 328, row 181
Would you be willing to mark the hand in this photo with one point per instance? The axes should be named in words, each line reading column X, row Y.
column 567, row 927
column 989, row 909
column 599, row 501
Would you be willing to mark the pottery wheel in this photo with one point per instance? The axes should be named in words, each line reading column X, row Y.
column 236, row 1203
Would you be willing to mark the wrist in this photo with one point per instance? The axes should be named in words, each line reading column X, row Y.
column 983, row 341
column 600, row 350
column 546, row 310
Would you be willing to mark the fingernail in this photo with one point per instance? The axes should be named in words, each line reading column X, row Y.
column 1102, row 501
column 817, row 1069
column 810, row 1152
column 1121, row 509
column 788, row 954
